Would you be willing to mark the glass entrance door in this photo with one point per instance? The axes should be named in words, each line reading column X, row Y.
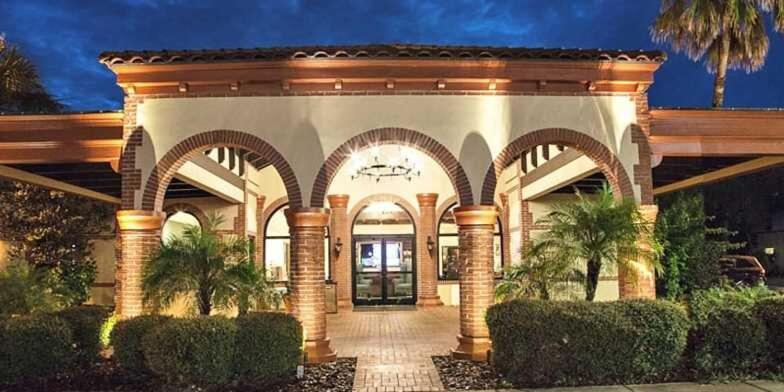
column 383, row 271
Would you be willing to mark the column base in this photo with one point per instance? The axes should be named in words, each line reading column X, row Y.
column 474, row 349
column 345, row 304
column 319, row 351
column 426, row 302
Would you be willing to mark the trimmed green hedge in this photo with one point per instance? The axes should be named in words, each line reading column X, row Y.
column 126, row 338
column 269, row 346
column 192, row 351
column 34, row 346
column 771, row 312
column 546, row 343
column 85, row 323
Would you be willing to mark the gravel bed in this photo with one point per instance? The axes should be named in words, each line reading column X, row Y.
column 457, row 374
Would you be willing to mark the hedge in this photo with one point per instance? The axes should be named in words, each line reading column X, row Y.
column 126, row 338
column 269, row 346
column 728, row 339
column 85, row 323
column 546, row 343
column 771, row 312
column 34, row 346
column 192, row 351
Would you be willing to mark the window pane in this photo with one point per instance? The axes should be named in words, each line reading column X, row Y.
column 276, row 259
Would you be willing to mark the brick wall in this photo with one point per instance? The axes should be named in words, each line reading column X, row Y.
column 427, row 270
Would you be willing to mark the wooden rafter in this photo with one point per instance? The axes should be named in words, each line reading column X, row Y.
column 740, row 169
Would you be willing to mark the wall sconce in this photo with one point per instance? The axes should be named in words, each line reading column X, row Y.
column 338, row 246
column 430, row 244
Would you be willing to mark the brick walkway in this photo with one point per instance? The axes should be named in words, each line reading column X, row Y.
column 393, row 347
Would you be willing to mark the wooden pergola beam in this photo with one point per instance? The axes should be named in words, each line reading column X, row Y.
column 740, row 169
column 46, row 182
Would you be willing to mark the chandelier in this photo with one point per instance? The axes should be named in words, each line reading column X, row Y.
column 376, row 168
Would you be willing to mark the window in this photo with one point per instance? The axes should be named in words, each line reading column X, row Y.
column 277, row 244
column 176, row 224
column 448, row 247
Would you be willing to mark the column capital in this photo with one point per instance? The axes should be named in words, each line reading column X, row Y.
column 475, row 215
column 427, row 199
column 338, row 201
column 504, row 197
column 140, row 220
column 307, row 217
column 649, row 212
column 261, row 198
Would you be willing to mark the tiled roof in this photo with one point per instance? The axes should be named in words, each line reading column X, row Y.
column 396, row 51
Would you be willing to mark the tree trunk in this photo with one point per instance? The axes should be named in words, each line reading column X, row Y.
column 205, row 305
column 592, row 279
column 721, row 71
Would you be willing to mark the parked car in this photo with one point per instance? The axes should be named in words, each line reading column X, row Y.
column 742, row 269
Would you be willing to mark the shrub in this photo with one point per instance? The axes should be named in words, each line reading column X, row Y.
column 771, row 312
column 269, row 346
column 126, row 338
column 33, row 346
column 542, row 343
column 728, row 339
column 193, row 351
column 85, row 323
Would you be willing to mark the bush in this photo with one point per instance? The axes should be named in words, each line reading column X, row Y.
column 269, row 346
column 85, row 323
column 33, row 346
column 126, row 338
column 193, row 351
column 543, row 343
column 771, row 312
column 728, row 339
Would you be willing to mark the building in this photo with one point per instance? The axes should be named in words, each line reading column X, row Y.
column 405, row 174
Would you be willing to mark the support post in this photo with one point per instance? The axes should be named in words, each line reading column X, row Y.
column 339, row 230
column 639, row 279
column 140, row 234
column 427, row 269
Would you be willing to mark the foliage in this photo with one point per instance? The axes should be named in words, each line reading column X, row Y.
column 105, row 335
column 85, row 323
column 729, row 34
column 728, row 339
column 126, row 338
column 546, row 343
column 770, row 310
column 213, row 270
column 33, row 346
column 24, row 290
column 53, row 230
column 192, row 351
column 21, row 89
column 269, row 346
column 600, row 230
column 691, row 249
column 540, row 272
column 251, row 289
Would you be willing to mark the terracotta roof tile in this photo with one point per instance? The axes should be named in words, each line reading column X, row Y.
column 397, row 51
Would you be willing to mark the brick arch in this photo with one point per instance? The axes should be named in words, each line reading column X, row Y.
column 165, row 169
column 605, row 159
column 401, row 202
column 188, row 208
column 381, row 136
column 272, row 207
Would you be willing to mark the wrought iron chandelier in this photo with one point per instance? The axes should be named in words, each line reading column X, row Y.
column 377, row 169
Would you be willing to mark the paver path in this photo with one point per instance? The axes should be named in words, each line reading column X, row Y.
column 393, row 347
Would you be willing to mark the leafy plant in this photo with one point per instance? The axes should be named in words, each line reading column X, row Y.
column 126, row 338
column 269, row 346
column 21, row 89
column 540, row 272
column 34, row 346
column 202, row 265
column 25, row 290
column 730, row 34
column 600, row 230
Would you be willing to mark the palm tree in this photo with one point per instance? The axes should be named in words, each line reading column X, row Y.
column 541, row 270
column 731, row 33
column 600, row 230
column 205, row 266
column 21, row 89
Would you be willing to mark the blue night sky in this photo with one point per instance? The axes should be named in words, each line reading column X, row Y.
column 64, row 37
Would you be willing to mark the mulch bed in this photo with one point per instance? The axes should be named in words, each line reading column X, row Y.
column 107, row 376
column 457, row 374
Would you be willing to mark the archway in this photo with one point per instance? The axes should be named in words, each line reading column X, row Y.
column 401, row 136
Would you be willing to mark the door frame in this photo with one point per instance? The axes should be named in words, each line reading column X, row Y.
column 383, row 238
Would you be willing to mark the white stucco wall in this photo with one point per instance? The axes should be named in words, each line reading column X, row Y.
column 305, row 130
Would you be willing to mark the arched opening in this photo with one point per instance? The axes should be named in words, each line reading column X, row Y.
column 383, row 265
column 277, row 247
column 176, row 224
column 448, row 249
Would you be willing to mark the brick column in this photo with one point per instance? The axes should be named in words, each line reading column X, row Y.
column 477, row 286
column 240, row 221
column 140, row 233
column 260, row 200
column 340, row 265
column 506, row 236
column 639, row 280
column 427, row 269
column 306, row 279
